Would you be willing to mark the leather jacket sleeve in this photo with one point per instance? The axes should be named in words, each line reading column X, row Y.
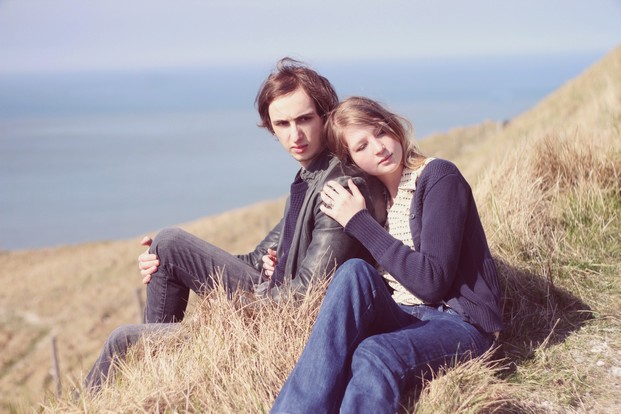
column 330, row 246
column 270, row 241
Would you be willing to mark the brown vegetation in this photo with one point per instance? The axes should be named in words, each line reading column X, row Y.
column 549, row 193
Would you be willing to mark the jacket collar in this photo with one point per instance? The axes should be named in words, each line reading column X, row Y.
column 318, row 166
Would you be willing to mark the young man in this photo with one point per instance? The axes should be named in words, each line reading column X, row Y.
column 293, row 104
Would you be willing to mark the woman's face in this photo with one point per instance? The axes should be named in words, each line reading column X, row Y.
column 374, row 151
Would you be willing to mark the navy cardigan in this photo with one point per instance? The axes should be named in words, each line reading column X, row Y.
column 451, row 263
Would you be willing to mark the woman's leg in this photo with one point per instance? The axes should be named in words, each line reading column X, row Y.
column 357, row 305
column 385, row 365
column 187, row 262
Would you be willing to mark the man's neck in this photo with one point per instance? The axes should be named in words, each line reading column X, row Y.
column 316, row 162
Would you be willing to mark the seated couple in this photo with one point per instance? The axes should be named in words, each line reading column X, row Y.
column 414, row 287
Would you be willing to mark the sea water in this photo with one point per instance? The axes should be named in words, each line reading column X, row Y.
column 95, row 156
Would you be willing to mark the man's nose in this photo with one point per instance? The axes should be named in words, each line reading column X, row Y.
column 295, row 132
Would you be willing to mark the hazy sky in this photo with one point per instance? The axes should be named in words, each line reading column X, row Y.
column 88, row 34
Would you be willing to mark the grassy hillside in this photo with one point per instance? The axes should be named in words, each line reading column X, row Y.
column 79, row 294
column 548, row 189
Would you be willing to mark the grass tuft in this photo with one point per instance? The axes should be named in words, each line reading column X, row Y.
column 550, row 201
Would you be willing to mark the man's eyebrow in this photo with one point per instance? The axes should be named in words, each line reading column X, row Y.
column 305, row 114
column 310, row 112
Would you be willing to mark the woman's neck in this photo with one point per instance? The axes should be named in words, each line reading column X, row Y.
column 391, row 182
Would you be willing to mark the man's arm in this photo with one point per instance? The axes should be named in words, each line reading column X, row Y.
column 255, row 257
column 330, row 245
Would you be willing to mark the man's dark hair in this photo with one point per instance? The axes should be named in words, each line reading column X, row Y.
column 288, row 76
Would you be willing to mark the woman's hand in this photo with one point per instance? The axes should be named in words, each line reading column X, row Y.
column 339, row 203
column 269, row 263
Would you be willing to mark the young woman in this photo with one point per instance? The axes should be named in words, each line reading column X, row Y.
column 433, row 299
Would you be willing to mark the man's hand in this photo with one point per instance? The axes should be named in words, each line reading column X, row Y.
column 269, row 263
column 339, row 203
column 147, row 262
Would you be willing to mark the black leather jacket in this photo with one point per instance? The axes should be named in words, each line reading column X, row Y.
column 319, row 243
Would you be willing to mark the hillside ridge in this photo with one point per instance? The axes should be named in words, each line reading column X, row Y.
column 98, row 281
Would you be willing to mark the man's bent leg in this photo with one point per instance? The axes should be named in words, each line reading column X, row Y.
column 187, row 262
column 115, row 349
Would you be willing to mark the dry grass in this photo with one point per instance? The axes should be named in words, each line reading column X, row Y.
column 549, row 195
column 229, row 357
column 463, row 146
column 556, row 220
column 80, row 294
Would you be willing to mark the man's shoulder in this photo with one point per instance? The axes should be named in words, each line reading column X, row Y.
column 370, row 186
column 344, row 171
column 338, row 169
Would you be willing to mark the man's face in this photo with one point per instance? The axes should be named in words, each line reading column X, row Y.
column 297, row 126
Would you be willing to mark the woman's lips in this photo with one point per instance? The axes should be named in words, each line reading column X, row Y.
column 386, row 159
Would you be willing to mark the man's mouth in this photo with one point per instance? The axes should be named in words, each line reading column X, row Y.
column 298, row 149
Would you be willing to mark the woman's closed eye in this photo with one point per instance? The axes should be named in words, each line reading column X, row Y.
column 361, row 147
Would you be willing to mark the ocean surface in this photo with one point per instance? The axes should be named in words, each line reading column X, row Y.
column 111, row 155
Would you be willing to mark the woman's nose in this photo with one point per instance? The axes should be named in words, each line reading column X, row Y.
column 379, row 146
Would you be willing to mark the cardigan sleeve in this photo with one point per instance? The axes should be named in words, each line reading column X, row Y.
column 429, row 271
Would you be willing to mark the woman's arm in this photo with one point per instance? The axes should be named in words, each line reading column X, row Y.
column 429, row 271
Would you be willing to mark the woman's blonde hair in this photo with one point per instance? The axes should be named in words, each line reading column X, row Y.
column 365, row 112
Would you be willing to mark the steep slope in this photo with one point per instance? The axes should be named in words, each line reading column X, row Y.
column 80, row 293
column 588, row 102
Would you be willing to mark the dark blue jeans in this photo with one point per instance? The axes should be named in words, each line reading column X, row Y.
column 365, row 350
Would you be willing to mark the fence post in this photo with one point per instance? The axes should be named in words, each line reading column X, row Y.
column 140, row 305
column 56, row 367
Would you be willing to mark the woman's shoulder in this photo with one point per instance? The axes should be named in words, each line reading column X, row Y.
column 438, row 168
column 437, row 171
column 440, row 176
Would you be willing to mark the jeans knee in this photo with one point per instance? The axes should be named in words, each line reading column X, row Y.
column 167, row 241
column 121, row 338
column 373, row 358
column 354, row 274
